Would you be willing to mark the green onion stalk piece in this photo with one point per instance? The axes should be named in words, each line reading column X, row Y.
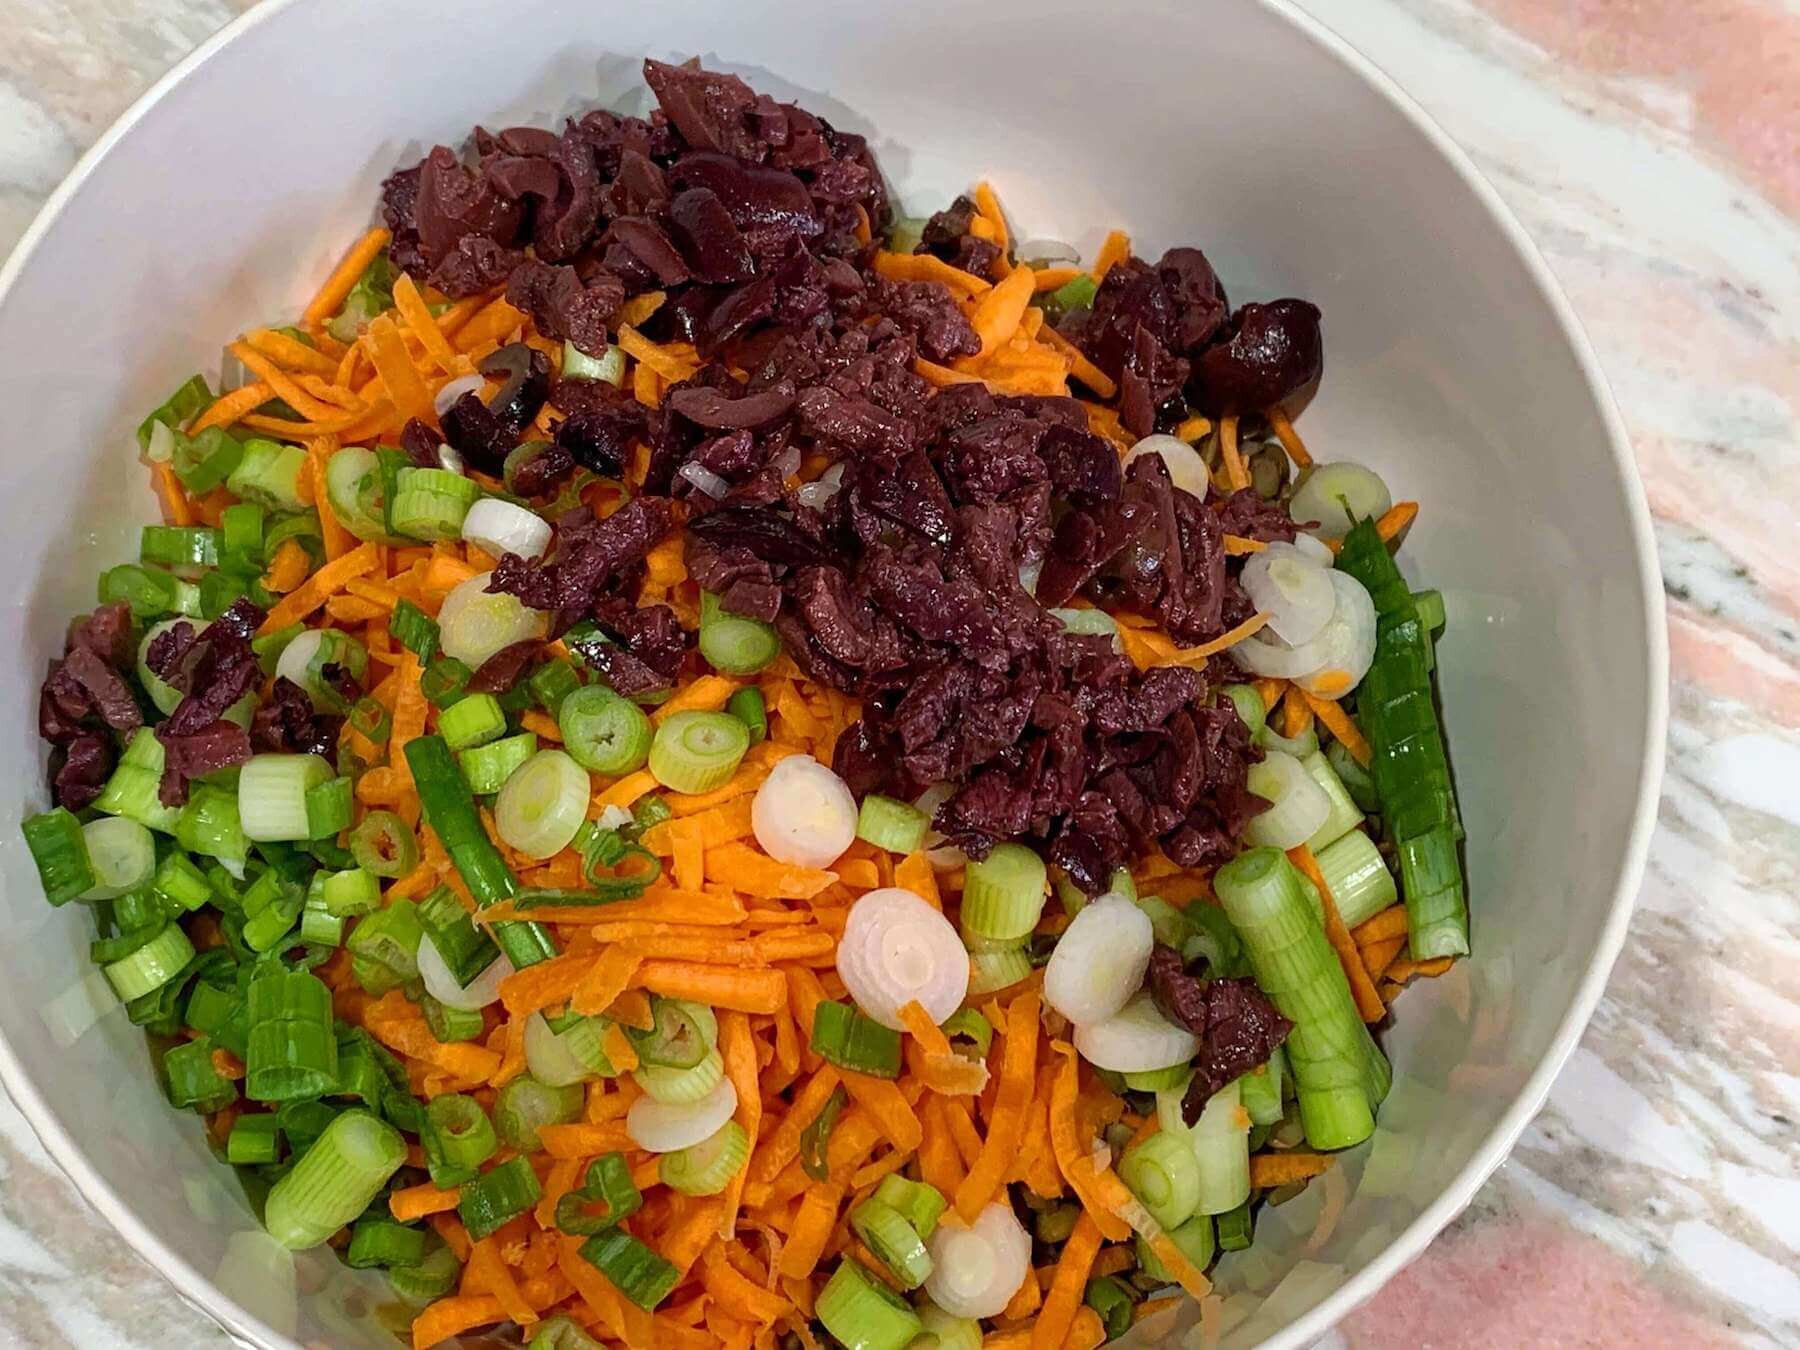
column 1339, row 1075
column 634, row 1270
column 863, row 1313
column 732, row 643
column 609, row 1186
column 1410, row 766
column 894, row 1241
column 603, row 732
column 850, row 1039
column 1003, row 894
column 498, row 1196
column 450, row 810
column 335, row 1180
column 707, row 1168
column 698, row 751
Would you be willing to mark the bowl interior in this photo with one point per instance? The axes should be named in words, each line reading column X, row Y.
column 1239, row 129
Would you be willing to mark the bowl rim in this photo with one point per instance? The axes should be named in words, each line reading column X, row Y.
column 201, row 1292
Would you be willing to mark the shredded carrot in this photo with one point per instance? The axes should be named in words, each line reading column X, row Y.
column 281, row 382
column 230, row 408
column 997, row 312
column 640, row 307
column 417, row 1202
column 1053, row 278
column 1191, row 656
column 667, row 359
column 926, row 267
column 338, row 540
column 452, row 1316
column 1296, row 715
column 1403, row 970
column 708, row 693
column 1097, row 1189
column 424, row 327
column 1079, row 366
column 752, row 991
column 330, row 297
column 1390, row 923
column 942, row 1069
column 1236, row 474
column 1278, row 1169
column 1018, row 1065
column 320, row 587
column 1290, row 439
column 1191, row 429
column 288, row 569
column 890, row 1110
column 405, row 388
column 608, row 977
column 1115, row 249
column 1237, row 546
column 1395, row 520
column 1368, row 1002
column 1057, row 1319
column 177, row 509
column 1339, row 723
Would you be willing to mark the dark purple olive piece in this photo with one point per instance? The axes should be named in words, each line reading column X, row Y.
column 1272, row 352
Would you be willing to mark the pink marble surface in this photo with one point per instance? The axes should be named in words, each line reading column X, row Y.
column 1652, row 148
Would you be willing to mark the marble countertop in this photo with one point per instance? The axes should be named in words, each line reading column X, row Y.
column 1652, row 149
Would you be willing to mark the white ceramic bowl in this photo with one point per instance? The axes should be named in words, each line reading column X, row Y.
column 1453, row 365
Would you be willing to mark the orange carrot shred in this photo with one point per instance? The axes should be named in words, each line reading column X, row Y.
column 330, row 296
column 1368, row 1002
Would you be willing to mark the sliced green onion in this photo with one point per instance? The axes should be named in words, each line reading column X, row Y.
column 385, row 947
column 815, row 1139
column 893, row 825
column 603, row 732
column 271, row 906
column 466, row 950
column 525, row 1105
column 384, row 845
column 634, row 1270
column 348, row 893
column 319, row 927
column 415, row 630
column 1259, row 1091
column 895, row 1243
column 177, row 410
column 150, row 594
column 152, row 965
column 1236, row 1229
column 487, row 767
column 680, row 1037
column 969, row 1024
column 430, row 504
column 335, row 1180
column 560, row 1333
column 121, row 853
column 474, row 623
column 1193, row 1239
column 1003, row 894
column 191, row 1080
column 682, row 1085
column 920, row 1204
column 578, row 365
column 1339, row 1075
column 179, row 546
column 499, row 1196
column 472, row 720
column 944, row 1331
column 733, row 643
column 382, row 1242
column 444, row 681
column 1111, row 1300
column 851, row 1040
column 1159, row 1080
column 292, row 1052
column 253, row 1140
column 180, row 884
column 570, row 1051
column 209, row 825
column 458, row 1138
column 1213, row 937
column 329, row 806
column 58, row 848
column 132, row 791
column 1168, row 925
column 998, row 968
column 1343, row 816
column 747, row 706
column 204, row 462
column 1361, row 885
column 609, row 1185
column 432, row 1278
column 1162, row 1173
column 551, row 683
column 449, row 1024
column 269, row 474
column 707, row 1168
column 450, row 810
column 1355, row 778
column 698, row 751
column 272, row 792
column 370, row 719
column 863, row 1313
column 1072, row 295
column 542, row 804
